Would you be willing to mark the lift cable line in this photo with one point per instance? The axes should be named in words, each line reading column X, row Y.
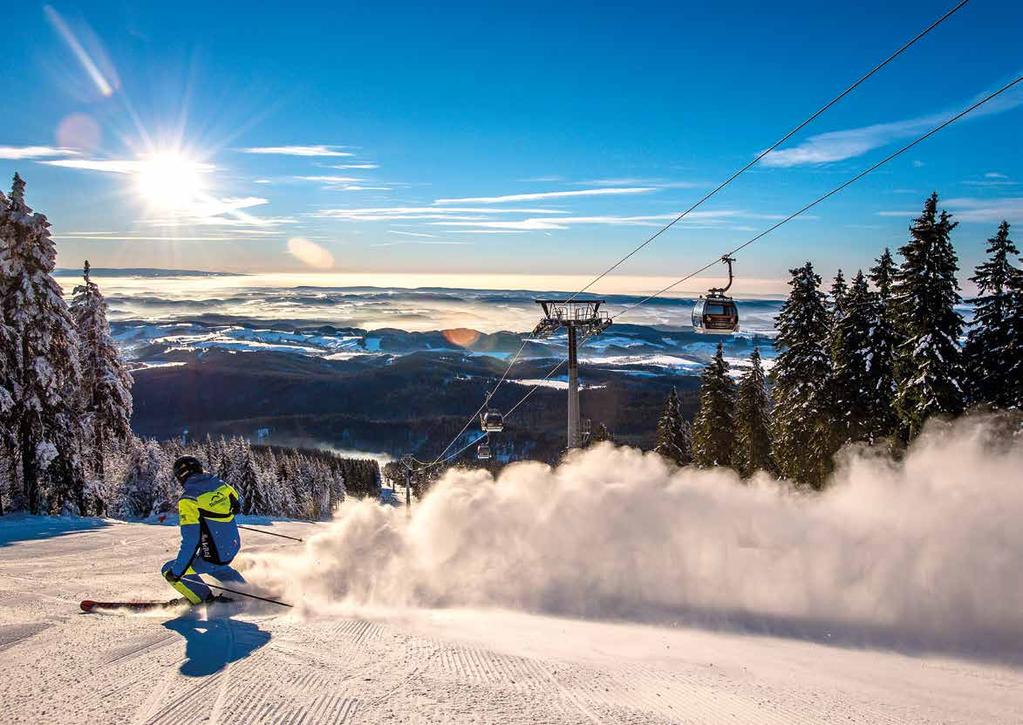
column 767, row 231
column 483, row 407
column 903, row 48
column 823, row 197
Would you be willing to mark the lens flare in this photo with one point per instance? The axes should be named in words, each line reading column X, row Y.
column 79, row 131
column 461, row 336
column 310, row 253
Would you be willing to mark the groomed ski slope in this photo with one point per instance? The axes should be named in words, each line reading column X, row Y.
column 265, row 665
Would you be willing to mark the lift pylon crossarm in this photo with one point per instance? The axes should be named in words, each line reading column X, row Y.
column 574, row 316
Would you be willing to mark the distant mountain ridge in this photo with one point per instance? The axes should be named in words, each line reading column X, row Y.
column 142, row 272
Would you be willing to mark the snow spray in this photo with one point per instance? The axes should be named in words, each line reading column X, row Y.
column 928, row 548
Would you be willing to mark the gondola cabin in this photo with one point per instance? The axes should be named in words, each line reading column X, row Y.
column 716, row 315
column 483, row 452
column 491, row 421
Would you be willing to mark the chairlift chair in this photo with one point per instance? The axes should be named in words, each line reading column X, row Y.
column 717, row 314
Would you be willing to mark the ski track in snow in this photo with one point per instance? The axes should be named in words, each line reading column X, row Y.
column 436, row 666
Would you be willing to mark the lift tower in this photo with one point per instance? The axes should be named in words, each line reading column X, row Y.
column 574, row 316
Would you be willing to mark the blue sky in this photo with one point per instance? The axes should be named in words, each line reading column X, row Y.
column 521, row 138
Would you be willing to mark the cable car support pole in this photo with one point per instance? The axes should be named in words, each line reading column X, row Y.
column 573, row 388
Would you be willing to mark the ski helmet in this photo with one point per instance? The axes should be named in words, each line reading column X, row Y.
column 185, row 467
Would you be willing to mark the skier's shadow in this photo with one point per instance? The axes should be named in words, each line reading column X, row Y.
column 211, row 644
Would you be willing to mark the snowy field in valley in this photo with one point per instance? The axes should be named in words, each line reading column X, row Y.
column 414, row 663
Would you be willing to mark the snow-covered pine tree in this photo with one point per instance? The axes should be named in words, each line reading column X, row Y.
column 44, row 366
column 714, row 424
column 8, row 468
column 270, row 486
column 673, row 435
column 992, row 350
column 836, row 305
column 1014, row 375
column 801, row 374
column 884, row 340
column 839, row 290
column 148, row 482
column 288, row 472
column 106, row 383
column 337, row 489
column 243, row 475
column 753, row 421
column 852, row 385
column 303, row 487
column 928, row 362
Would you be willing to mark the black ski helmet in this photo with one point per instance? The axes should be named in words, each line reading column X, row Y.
column 185, row 467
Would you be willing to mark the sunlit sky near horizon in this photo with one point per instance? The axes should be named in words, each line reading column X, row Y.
column 468, row 141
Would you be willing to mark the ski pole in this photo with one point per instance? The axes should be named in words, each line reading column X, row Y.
column 270, row 533
column 235, row 591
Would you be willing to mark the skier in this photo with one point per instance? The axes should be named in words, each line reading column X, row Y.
column 209, row 534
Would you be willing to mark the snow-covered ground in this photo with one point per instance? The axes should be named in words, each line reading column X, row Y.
column 263, row 664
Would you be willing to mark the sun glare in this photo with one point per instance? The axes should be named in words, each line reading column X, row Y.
column 170, row 182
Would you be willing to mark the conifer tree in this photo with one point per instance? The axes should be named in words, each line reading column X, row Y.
column 839, row 290
column 836, row 305
column 243, row 475
column 148, row 481
column 106, row 383
column 753, row 423
column 993, row 350
column 714, row 424
column 44, row 366
column 673, row 434
column 1014, row 373
column 884, row 341
column 928, row 362
column 8, row 428
column 853, row 391
column 802, row 436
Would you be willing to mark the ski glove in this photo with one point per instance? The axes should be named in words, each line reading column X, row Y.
column 170, row 576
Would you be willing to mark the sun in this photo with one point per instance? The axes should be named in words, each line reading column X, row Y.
column 170, row 181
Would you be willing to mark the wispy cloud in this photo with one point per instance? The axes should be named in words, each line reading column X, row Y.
column 33, row 152
column 115, row 166
column 411, row 234
column 314, row 150
column 422, row 242
column 131, row 237
column 330, row 179
column 343, row 167
column 535, row 196
column 420, row 213
column 971, row 209
column 227, row 212
column 841, row 145
column 642, row 181
column 701, row 220
column 992, row 179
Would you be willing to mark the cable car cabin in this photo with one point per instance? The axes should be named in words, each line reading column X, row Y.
column 716, row 315
column 492, row 421
column 483, row 452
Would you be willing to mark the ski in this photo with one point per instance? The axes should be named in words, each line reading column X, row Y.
column 88, row 605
